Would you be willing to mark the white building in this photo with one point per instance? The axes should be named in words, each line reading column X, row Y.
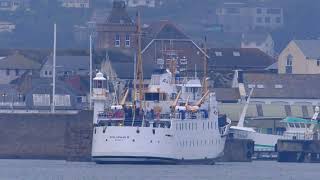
column 10, row 5
column 239, row 16
column 14, row 66
column 75, row 3
column 7, row 26
column 146, row 3
column 262, row 41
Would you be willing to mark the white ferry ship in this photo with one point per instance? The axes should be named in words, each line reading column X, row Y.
column 172, row 126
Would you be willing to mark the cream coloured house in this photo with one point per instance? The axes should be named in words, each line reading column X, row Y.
column 300, row 57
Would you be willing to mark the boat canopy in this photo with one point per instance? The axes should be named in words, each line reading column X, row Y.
column 298, row 120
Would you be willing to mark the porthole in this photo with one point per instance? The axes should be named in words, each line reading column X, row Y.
column 138, row 131
column 133, row 140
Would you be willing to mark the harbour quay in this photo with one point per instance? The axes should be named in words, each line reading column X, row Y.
column 68, row 136
column 307, row 151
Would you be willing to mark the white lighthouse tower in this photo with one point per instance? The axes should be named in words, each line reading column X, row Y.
column 99, row 95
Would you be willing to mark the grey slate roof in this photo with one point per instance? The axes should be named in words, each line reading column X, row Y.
column 239, row 58
column 17, row 61
column 310, row 48
column 294, row 86
column 71, row 63
column 227, row 94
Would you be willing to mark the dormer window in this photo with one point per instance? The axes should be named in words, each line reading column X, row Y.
column 218, row 53
column 117, row 40
column 236, row 53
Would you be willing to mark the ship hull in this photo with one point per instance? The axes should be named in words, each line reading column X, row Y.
column 149, row 160
column 197, row 142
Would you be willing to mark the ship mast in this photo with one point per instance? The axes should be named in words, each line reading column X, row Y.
column 138, row 72
column 139, row 68
column 205, row 68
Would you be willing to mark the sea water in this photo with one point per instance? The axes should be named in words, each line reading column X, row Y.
column 62, row 170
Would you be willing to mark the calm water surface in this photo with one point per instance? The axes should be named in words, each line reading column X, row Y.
column 61, row 170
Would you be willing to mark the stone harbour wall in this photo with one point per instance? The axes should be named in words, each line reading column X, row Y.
column 46, row 136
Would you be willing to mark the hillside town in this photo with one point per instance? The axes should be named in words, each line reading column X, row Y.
column 250, row 60
column 160, row 81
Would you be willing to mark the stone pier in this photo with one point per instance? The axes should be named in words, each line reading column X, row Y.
column 238, row 150
column 298, row 151
column 46, row 136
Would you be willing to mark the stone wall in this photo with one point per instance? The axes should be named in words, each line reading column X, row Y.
column 46, row 136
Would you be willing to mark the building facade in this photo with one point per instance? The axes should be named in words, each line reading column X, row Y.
column 75, row 3
column 66, row 66
column 16, row 65
column 118, row 31
column 145, row 3
column 300, row 57
column 7, row 27
column 262, row 41
column 243, row 16
column 12, row 5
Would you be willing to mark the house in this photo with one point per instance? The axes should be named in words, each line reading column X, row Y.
column 13, row 66
column 145, row 3
column 12, row 5
column 66, row 66
column 34, row 93
column 247, row 15
column 259, row 40
column 7, row 27
column 118, row 30
column 75, row 3
column 164, row 44
column 300, row 57
column 246, row 59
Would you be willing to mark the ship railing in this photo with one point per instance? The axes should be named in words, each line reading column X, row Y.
column 111, row 115
column 300, row 136
column 189, row 115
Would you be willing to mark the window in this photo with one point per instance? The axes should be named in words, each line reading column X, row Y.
column 273, row 11
column 41, row 99
column 183, row 61
column 318, row 62
column 218, row 53
column 259, row 20
column 259, row 10
column 117, row 41
column 127, row 40
column 62, row 100
column 289, row 64
column 45, row 72
column 8, row 72
column 250, row 86
column 236, row 53
column 267, row 20
column 160, row 61
column 289, row 60
column 233, row 10
column 278, row 19
column 17, row 72
column 260, row 86
column 278, row 86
